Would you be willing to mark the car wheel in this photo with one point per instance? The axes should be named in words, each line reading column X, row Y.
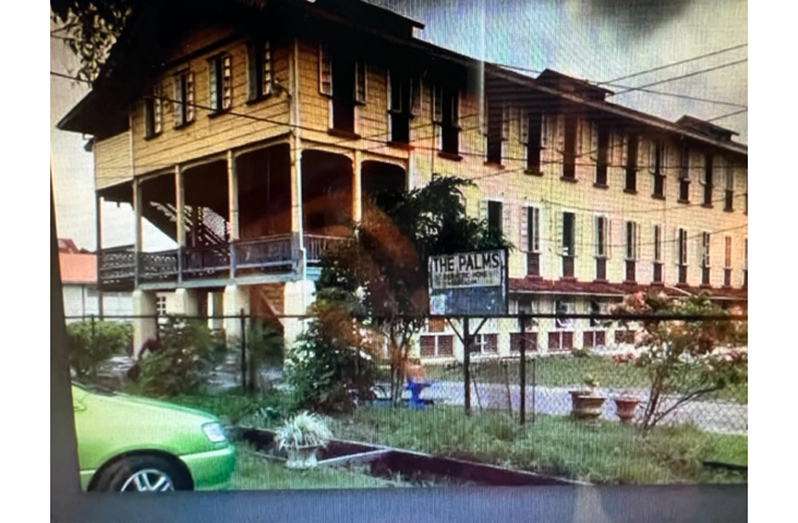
column 143, row 474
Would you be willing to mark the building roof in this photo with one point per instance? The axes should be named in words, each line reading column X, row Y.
column 77, row 268
column 716, row 131
column 583, row 288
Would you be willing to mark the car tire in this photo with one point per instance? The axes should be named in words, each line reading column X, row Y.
column 144, row 473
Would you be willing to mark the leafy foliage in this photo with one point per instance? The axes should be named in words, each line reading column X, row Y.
column 90, row 27
column 382, row 268
column 93, row 342
column 303, row 429
column 687, row 358
column 181, row 363
column 333, row 363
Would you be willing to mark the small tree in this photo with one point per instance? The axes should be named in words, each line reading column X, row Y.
column 383, row 266
column 688, row 358
column 93, row 342
column 333, row 363
column 181, row 362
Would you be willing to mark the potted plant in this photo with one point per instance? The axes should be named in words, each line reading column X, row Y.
column 302, row 436
column 625, row 407
column 586, row 403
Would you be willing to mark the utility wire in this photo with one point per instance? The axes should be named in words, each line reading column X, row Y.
column 681, row 77
column 673, row 64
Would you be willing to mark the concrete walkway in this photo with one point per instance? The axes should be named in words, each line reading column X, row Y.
column 714, row 416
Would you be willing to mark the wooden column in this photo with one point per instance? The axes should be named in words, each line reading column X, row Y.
column 180, row 223
column 137, row 244
column 98, row 200
column 357, row 188
column 232, row 197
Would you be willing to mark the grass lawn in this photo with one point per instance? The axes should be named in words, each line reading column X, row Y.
column 601, row 452
column 566, row 372
column 254, row 472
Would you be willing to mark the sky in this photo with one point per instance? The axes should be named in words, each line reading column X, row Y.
column 596, row 40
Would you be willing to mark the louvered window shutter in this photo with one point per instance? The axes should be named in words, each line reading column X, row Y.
column 652, row 156
column 190, row 107
column 558, row 233
column 523, row 127
column 579, row 236
column 325, row 71
column 545, row 130
column 523, row 229
column 267, row 78
column 437, row 104
column 506, row 219
column 415, row 96
column 559, row 123
column 227, row 82
column 360, row 82
column 594, row 141
column 483, row 210
column 536, row 229
column 177, row 104
column 506, row 118
column 213, row 84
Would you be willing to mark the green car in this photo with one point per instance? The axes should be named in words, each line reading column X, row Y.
column 127, row 443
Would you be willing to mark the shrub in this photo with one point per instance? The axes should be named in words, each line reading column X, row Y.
column 93, row 342
column 332, row 364
column 181, row 363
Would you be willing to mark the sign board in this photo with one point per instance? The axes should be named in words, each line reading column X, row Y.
column 468, row 284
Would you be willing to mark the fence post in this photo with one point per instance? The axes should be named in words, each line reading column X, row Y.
column 243, row 353
column 466, row 365
column 534, row 386
column 522, row 370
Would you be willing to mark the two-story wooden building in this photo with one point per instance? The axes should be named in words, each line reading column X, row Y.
column 251, row 133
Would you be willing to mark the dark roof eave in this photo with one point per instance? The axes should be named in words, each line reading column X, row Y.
column 616, row 110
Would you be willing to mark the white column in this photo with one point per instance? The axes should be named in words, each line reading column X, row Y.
column 298, row 295
column 235, row 299
column 215, row 300
column 232, row 195
column 144, row 329
column 180, row 198
column 186, row 302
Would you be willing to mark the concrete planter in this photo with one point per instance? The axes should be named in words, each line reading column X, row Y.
column 625, row 408
column 302, row 457
column 586, row 405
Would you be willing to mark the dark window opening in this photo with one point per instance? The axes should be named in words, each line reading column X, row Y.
column 494, row 137
column 630, row 270
column 343, row 100
column 533, row 264
column 533, row 151
column 603, row 155
column 657, row 272
column 631, row 164
column 601, row 269
column 708, row 180
column 569, row 154
column 399, row 108
column 495, row 216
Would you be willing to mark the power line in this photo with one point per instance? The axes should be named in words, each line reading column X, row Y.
column 673, row 64
column 681, row 77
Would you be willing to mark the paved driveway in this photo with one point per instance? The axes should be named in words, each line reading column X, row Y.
column 714, row 416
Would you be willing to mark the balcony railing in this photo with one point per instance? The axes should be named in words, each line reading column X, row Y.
column 271, row 254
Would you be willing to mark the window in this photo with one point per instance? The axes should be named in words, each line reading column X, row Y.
column 535, row 139
column 631, row 164
column 530, row 238
column 569, row 151
column 531, row 341
column 495, row 132
column 260, row 70
column 681, row 254
column 729, row 179
column 624, row 337
column 602, row 136
column 656, row 159
column 446, row 114
column 184, row 99
column 684, row 175
column 727, row 261
column 440, row 346
column 561, row 340
column 596, row 308
column 160, row 305
column 706, row 180
column 153, row 113
column 486, row 343
column 602, row 247
column 344, row 82
column 495, row 216
column 220, row 83
column 568, row 244
column 399, row 101
column 632, row 249
column 564, row 307
column 657, row 233
column 593, row 339
column 705, row 261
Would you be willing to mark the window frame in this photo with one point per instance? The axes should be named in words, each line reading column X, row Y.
column 184, row 110
column 220, row 83
column 260, row 70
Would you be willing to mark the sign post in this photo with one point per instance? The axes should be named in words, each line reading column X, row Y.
column 466, row 285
